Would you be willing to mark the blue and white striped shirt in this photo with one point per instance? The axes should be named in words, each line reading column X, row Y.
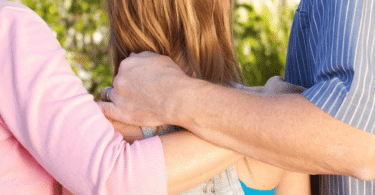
column 332, row 53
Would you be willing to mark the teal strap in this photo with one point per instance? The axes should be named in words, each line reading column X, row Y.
column 251, row 191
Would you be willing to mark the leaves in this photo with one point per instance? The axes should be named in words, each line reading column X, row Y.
column 261, row 40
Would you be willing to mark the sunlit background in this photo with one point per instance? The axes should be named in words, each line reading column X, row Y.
column 261, row 29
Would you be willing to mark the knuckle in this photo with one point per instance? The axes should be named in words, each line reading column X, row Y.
column 117, row 82
column 125, row 63
column 129, row 62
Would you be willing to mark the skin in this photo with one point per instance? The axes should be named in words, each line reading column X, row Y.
column 258, row 175
column 151, row 90
column 253, row 173
column 186, row 167
column 262, row 176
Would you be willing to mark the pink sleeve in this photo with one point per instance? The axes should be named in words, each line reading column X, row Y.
column 50, row 113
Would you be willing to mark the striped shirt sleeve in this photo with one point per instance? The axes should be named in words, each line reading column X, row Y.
column 331, row 52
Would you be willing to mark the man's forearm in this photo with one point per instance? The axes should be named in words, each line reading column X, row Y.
column 287, row 131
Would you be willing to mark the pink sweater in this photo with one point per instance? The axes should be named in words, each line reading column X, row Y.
column 50, row 127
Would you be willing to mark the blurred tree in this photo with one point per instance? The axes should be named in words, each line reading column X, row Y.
column 82, row 28
column 261, row 39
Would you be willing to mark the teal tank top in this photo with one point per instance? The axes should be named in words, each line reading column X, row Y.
column 251, row 191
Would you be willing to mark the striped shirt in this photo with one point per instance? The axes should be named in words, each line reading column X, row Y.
column 331, row 52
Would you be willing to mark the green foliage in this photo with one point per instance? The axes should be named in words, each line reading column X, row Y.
column 82, row 28
column 261, row 40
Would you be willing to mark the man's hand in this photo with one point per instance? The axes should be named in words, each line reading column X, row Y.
column 141, row 90
column 130, row 133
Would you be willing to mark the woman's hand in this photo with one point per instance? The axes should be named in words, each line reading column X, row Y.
column 277, row 86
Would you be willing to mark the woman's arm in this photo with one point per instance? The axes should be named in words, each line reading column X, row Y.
column 293, row 183
column 189, row 160
column 58, row 125
column 58, row 130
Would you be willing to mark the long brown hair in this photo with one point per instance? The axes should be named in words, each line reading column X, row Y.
column 196, row 34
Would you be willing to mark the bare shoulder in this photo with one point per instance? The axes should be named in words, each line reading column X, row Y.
column 258, row 175
column 294, row 183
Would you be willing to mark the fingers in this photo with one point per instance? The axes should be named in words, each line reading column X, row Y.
column 108, row 94
column 110, row 111
column 276, row 85
column 108, row 106
column 292, row 87
column 145, row 54
column 144, row 58
column 299, row 89
column 273, row 84
column 105, row 94
column 114, row 114
column 275, row 79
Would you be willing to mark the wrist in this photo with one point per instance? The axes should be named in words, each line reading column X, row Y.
column 183, row 100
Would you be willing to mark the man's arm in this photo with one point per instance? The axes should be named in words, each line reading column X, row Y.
column 287, row 130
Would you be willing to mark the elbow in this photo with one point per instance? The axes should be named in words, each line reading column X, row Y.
column 364, row 173
column 365, row 170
